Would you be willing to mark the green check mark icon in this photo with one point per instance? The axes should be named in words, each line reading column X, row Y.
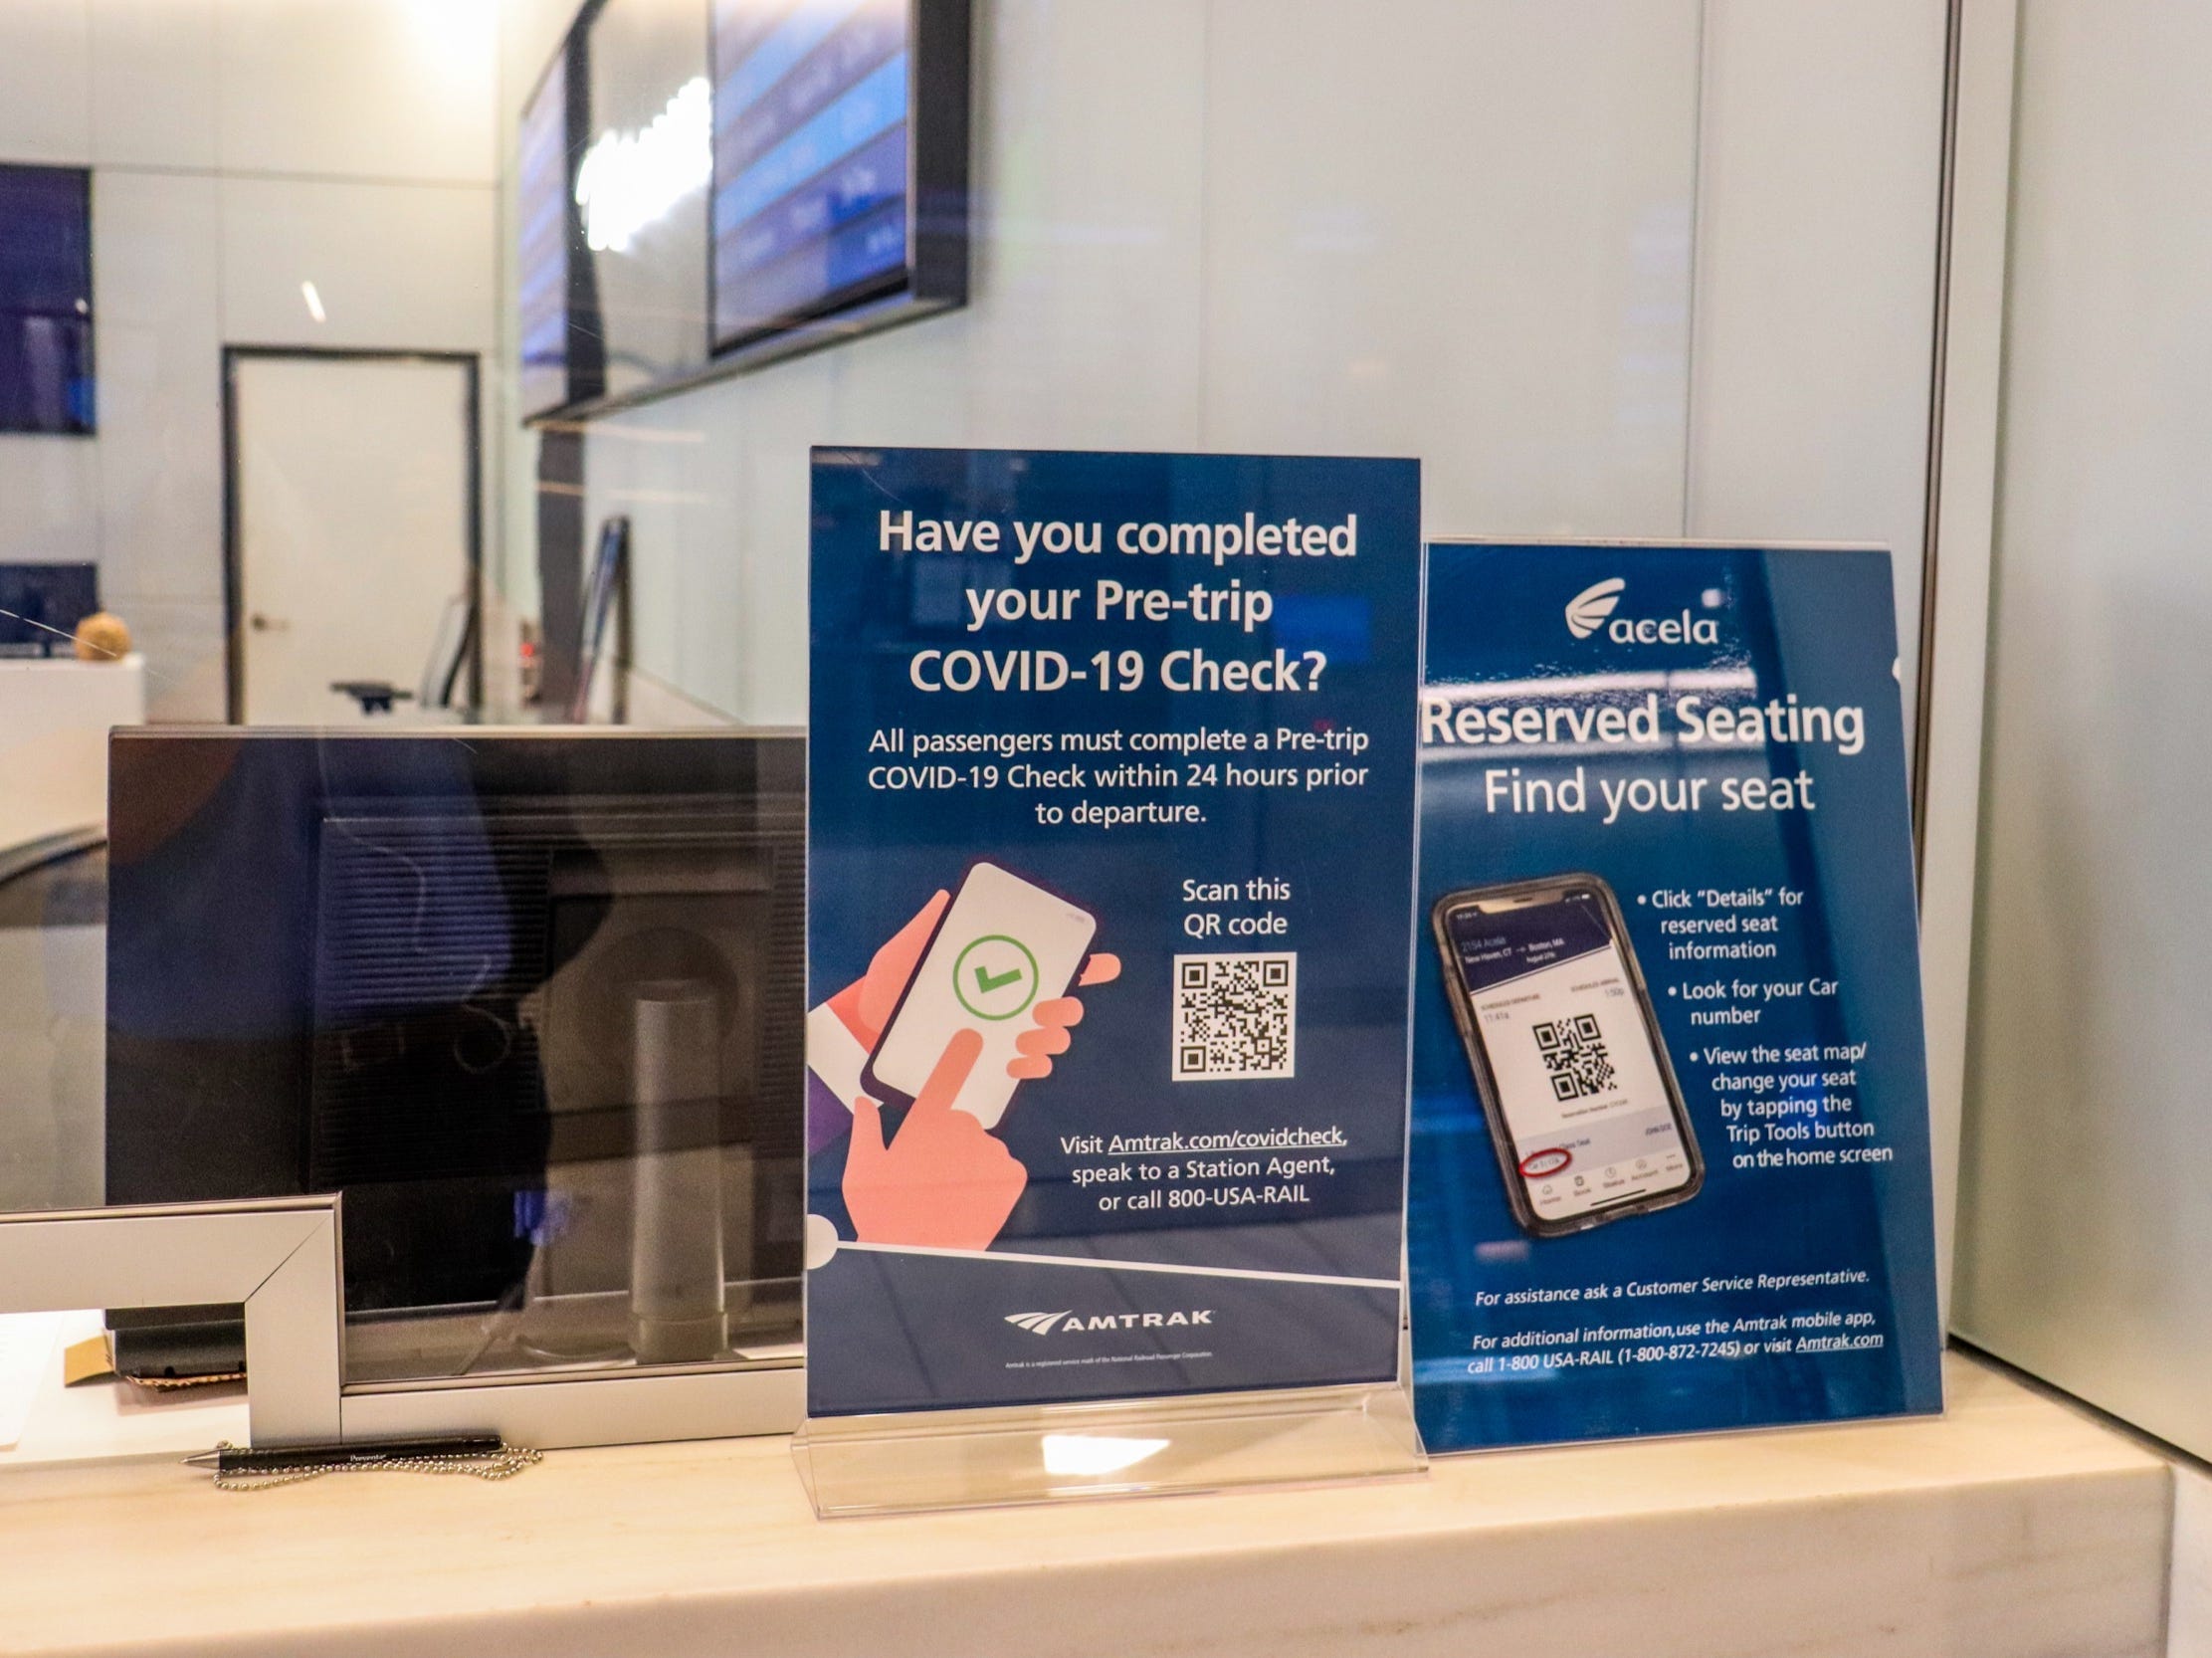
column 1005, row 993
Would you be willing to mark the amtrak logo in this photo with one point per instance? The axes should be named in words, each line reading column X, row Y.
column 1068, row 1320
column 1587, row 610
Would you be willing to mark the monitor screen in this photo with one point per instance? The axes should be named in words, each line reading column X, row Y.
column 40, row 605
column 840, row 199
column 543, row 269
column 533, row 1003
column 46, row 300
column 639, row 187
column 811, row 151
column 704, row 185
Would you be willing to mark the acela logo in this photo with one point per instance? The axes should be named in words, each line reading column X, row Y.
column 1593, row 608
column 1592, row 605
column 1044, row 1323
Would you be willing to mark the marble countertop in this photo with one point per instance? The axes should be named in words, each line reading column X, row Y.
column 2012, row 1524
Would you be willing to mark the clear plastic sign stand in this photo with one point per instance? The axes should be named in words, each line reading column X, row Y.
column 1151, row 1447
column 1185, row 1444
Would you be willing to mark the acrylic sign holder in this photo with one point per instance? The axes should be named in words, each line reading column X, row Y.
column 963, row 1459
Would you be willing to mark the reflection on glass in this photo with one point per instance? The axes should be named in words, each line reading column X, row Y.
column 46, row 300
column 529, row 999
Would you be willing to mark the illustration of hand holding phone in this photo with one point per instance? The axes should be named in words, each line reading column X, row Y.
column 960, row 1005
column 1584, row 1111
column 945, row 1182
column 1001, row 954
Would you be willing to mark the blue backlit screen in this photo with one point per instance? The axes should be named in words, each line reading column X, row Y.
column 46, row 300
column 811, row 159
column 542, row 254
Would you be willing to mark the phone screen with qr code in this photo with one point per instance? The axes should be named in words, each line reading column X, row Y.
column 1584, row 1110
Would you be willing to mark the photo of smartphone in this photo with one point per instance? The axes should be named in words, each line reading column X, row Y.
column 1002, row 945
column 1583, row 1107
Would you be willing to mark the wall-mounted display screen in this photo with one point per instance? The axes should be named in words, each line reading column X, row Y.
column 704, row 185
column 46, row 300
column 640, row 187
column 810, row 156
column 839, row 165
column 543, row 267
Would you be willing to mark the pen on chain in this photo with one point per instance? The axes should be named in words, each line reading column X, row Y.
column 277, row 1459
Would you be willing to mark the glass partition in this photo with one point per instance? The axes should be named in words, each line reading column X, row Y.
column 441, row 516
column 530, row 1000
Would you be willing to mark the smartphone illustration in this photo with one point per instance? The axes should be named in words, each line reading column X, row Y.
column 1002, row 945
column 1583, row 1107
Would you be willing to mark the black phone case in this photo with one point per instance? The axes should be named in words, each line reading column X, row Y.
column 1486, row 1082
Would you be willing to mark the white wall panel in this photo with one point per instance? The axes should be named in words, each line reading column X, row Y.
column 361, row 89
column 160, row 387
column 182, row 642
column 45, row 73
column 713, row 614
column 1460, row 232
column 153, row 82
column 1089, row 221
column 771, row 673
column 650, row 465
column 2084, row 1215
column 50, row 486
column 2189, row 1591
column 529, row 31
column 1819, row 178
column 395, row 264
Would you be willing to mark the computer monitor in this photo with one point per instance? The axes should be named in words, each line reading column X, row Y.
column 531, row 999
column 40, row 605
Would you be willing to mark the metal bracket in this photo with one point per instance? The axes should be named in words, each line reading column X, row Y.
column 278, row 1257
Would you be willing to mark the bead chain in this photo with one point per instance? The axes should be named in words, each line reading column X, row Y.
column 505, row 1464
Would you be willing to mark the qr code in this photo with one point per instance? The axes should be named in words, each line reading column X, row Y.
column 1236, row 1017
column 1574, row 1053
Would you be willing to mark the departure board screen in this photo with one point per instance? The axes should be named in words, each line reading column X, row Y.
column 541, row 243
column 812, row 147
column 640, row 188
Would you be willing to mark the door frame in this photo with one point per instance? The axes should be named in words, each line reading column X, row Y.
column 234, row 638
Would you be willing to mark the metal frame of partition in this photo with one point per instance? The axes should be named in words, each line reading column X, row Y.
column 281, row 1259
column 278, row 1257
column 1957, row 548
